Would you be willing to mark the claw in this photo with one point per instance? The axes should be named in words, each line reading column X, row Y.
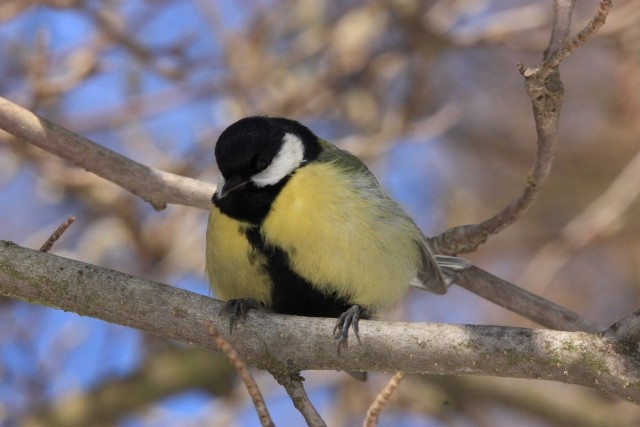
column 237, row 309
column 349, row 318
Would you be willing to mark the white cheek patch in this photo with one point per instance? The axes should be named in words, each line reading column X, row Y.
column 286, row 161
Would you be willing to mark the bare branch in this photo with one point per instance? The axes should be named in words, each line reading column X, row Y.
column 546, row 92
column 626, row 332
column 277, row 342
column 381, row 400
column 245, row 375
column 292, row 383
column 556, row 56
column 152, row 185
column 518, row 300
column 562, row 11
column 57, row 233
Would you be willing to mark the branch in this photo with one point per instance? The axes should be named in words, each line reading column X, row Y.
column 152, row 185
column 373, row 413
column 277, row 343
column 546, row 92
column 562, row 11
column 518, row 300
column 46, row 247
column 252, row 387
column 292, row 383
column 554, row 55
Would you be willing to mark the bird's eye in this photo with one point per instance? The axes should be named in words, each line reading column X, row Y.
column 262, row 163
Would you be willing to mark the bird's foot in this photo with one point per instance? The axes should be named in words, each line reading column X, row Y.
column 237, row 309
column 348, row 319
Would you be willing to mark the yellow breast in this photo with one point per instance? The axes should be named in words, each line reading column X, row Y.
column 359, row 247
column 234, row 268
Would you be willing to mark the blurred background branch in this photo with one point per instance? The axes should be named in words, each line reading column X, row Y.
column 426, row 92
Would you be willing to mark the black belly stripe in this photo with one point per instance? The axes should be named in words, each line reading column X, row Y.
column 291, row 293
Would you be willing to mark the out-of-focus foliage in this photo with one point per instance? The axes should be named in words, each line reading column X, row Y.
column 427, row 92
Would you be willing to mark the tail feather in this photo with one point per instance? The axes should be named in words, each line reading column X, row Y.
column 452, row 263
column 448, row 267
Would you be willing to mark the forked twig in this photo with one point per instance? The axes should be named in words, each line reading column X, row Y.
column 546, row 93
column 556, row 56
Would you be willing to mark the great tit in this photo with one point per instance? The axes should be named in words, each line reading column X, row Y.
column 301, row 227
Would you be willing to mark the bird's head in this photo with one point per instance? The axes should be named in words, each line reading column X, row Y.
column 261, row 151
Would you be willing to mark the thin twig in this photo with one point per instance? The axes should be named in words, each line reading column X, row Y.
column 590, row 30
column 243, row 371
column 56, row 234
column 292, row 383
column 381, row 400
column 562, row 11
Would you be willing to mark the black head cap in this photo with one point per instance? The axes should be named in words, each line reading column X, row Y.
column 250, row 144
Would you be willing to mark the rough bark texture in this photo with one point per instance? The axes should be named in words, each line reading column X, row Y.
column 276, row 342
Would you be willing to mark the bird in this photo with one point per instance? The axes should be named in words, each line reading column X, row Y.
column 298, row 226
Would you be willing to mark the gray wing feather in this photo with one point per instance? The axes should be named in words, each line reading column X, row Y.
column 452, row 264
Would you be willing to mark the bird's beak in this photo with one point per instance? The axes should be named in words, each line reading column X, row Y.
column 230, row 185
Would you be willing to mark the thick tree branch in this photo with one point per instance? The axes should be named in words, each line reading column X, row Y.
column 277, row 343
column 152, row 185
